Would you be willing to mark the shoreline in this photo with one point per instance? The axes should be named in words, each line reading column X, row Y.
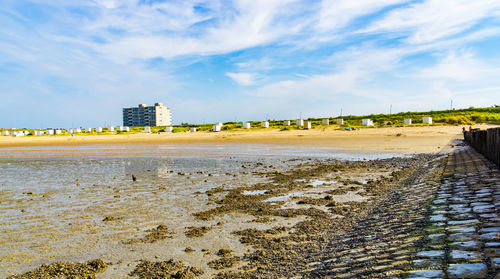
column 429, row 139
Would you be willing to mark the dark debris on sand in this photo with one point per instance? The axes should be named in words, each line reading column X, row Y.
column 87, row 270
column 165, row 269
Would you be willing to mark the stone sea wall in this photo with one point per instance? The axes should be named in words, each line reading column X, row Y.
column 486, row 142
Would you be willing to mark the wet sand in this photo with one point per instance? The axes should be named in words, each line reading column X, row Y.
column 208, row 214
column 428, row 139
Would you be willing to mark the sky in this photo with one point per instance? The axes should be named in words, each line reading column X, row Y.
column 77, row 63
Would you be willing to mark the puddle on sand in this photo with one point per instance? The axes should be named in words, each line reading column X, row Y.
column 254, row 192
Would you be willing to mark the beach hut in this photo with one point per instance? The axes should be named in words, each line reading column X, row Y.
column 147, row 129
column 407, row 121
column 367, row 122
column 58, row 132
column 5, row 133
column 111, row 129
column 264, row 124
column 78, row 130
column 325, row 121
column 26, row 132
column 300, row 122
column 50, row 132
column 98, row 130
column 427, row 120
column 340, row 121
column 18, row 134
column 286, row 123
column 88, row 130
column 247, row 125
column 169, row 129
column 307, row 125
column 70, row 131
column 126, row 129
column 217, row 128
column 192, row 129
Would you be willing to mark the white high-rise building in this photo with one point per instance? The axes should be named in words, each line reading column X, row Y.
column 143, row 115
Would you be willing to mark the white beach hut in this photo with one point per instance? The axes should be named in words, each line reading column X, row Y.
column 78, row 130
column 70, row 131
column 427, row 120
column 147, row 129
column 286, row 123
column 264, row 124
column 58, row 132
column 407, row 121
column 169, row 129
column 300, row 122
column 325, row 121
column 88, row 130
column 111, row 129
column 26, row 132
column 192, row 129
column 217, row 128
column 340, row 121
column 5, row 133
column 307, row 125
column 18, row 134
column 367, row 122
column 50, row 132
column 98, row 130
column 247, row 125
column 126, row 129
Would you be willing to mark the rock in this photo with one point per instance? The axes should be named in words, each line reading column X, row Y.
column 431, row 273
column 466, row 245
column 431, row 254
column 465, row 255
column 475, row 270
column 438, row 218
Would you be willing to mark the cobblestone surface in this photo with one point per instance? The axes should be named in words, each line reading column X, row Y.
column 463, row 232
column 439, row 226
column 384, row 243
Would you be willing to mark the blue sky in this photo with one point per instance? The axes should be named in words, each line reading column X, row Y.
column 72, row 63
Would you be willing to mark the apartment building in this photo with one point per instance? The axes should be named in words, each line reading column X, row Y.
column 143, row 115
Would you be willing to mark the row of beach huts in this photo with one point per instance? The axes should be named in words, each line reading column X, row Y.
column 307, row 125
column 216, row 128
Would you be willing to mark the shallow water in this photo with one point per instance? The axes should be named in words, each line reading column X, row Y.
column 53, row 200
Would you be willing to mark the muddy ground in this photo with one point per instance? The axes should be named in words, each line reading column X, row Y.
column 345, row 206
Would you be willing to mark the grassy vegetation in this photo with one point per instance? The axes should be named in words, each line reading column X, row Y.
column 450, row 117
column 468, row 116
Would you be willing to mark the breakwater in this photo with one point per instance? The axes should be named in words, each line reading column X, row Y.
column 486, row 142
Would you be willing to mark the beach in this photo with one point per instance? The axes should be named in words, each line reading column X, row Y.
column 209, row 205
column 417, row 139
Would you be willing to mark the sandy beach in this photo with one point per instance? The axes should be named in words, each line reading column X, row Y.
column 429, row 139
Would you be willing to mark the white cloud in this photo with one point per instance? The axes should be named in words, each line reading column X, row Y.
column 337, row 14
column 244, row 25
column 431, row 20
column 457, row 66
column 245, row 79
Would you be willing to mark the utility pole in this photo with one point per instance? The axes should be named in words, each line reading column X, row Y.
column 340, row 112
column 451, row 104
column 390, row 110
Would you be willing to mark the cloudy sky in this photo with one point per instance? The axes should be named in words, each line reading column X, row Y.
column 79, row 62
